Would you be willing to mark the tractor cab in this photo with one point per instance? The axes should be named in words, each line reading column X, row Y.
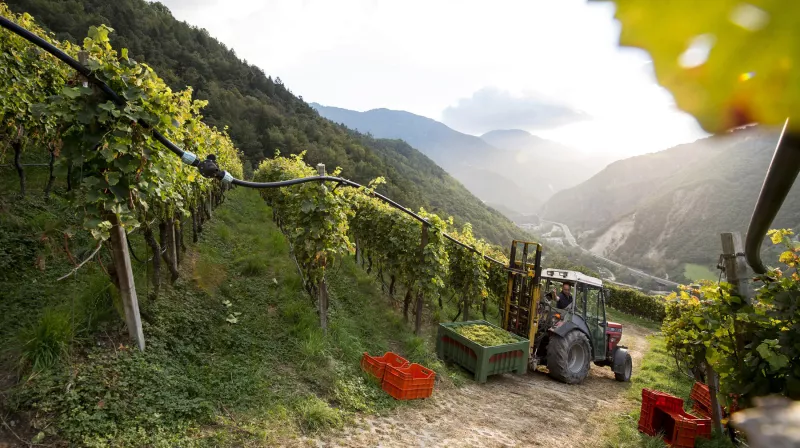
column 562, row 314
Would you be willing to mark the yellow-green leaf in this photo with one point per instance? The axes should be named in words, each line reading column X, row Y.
column 727, row 62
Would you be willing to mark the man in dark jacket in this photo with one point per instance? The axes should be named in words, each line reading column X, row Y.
column 564, row 297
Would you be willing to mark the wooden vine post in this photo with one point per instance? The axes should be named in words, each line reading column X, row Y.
column 125, row 282
column 172, row 251
column 735, row 268
column 420, row 297
column 322, row 287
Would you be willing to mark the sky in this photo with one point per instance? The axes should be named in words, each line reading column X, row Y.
column 551, row 67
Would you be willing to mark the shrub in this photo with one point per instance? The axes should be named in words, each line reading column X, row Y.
column 634, row 302
column 44, row 343
column 314, row 414
column 252, row 266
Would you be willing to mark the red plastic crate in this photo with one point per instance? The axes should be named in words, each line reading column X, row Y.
column 376, row 365
column 651, row 399
column 701, row 394
column 646, row 421
column 701, row 410
column 683, row 434
column 410, row 382
column 667, row 401
column 680, row 429
column 701, row 388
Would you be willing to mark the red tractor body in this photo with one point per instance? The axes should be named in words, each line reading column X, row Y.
column 613, row 335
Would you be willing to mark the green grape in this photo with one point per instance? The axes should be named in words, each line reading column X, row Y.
column 486, row 335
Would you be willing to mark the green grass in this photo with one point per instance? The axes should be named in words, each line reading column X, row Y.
column 205, row 381
column 697, row 272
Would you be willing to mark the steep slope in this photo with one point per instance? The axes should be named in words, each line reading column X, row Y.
column 663, row 209
column 262, row 114
column 267, row 376
column 510, row 168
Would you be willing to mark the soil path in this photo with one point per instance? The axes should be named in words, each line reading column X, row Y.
column 508, row 411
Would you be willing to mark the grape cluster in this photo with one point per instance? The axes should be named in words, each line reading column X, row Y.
column 486, row 335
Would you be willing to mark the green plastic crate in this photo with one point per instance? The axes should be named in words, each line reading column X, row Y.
column 480, row 360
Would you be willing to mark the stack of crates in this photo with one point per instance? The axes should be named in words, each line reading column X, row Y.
column 398, row 378
column 663, row 413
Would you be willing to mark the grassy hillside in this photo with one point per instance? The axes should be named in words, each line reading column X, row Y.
column 269, row 377
column 668, row 208
column 263, row 115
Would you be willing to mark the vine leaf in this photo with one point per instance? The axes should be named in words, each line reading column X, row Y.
column 727, row 62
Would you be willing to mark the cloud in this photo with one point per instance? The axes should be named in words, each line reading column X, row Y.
column 490, row 108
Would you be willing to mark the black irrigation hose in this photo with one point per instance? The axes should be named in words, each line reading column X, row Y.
column 190, row 158
column 781, row 174
column 132, row 252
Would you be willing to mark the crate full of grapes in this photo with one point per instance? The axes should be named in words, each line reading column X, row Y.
column 482, row 348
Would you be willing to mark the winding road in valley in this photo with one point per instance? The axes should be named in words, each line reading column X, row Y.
column 571, row 241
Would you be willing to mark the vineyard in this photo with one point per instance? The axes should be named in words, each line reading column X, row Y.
column 126, row 179
column 139, row 167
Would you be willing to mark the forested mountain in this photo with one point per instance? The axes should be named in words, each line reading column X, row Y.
column 512, row 169
column 664, row 209
column 263, row 115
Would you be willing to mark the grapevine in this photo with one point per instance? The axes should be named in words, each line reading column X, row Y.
column 468, row 272
column 123, row 178
column 753, row 346
column 127, row 179
column 28, row 76
column 313, row 216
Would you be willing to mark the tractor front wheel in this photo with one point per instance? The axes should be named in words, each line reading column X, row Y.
column 627, row 369
column 568, row 357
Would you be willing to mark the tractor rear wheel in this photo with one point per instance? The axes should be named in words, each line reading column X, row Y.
column 568, row 357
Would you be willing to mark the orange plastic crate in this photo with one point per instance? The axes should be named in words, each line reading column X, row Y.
column 376, row 365
column 400, row 394
column 408, row 383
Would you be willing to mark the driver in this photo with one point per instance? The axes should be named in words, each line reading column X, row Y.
column 564, row 297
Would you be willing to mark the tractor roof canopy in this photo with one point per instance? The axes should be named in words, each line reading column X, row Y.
column 564, row 275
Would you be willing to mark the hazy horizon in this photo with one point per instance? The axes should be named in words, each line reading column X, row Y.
column 550, row 67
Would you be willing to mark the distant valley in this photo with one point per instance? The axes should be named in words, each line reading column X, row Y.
column 663, row 210
column 511, row 170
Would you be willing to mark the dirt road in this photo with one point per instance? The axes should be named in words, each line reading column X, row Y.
column 508, row 411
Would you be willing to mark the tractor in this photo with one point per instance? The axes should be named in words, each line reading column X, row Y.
column 566, row 340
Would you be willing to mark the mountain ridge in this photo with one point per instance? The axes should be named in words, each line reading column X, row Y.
column 664, row 209
column 515, row 177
